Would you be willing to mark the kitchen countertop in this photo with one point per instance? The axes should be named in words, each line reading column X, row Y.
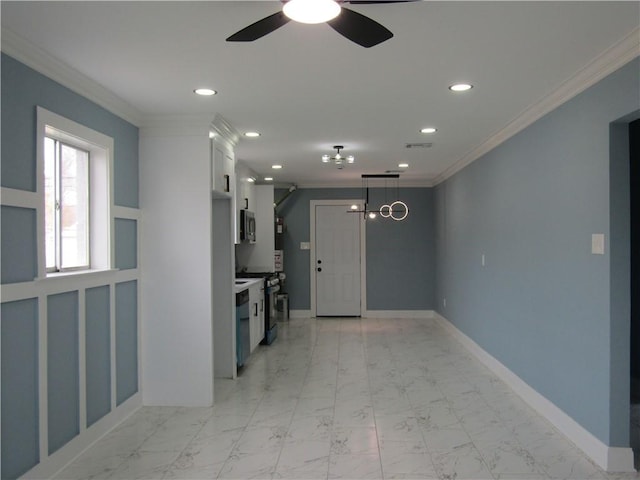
column 244, row 283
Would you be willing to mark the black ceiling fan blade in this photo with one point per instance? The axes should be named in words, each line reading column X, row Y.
column 359, row 29
column 260, row 28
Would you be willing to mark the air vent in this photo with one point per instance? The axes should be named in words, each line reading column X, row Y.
column 418, row 145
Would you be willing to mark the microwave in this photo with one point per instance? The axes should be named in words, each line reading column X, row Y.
column 247, row 226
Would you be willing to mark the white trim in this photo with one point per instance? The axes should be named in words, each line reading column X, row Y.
column 82, row 359
column 34, row 57
column 404, row 182
column 51, row 465
column 62, row 283
column 612, row 459
column 300, row 314
column 196, row 125
column 126, row 212
column 312, row 251
column 604, row 64
column 101, row 147
column 391, row 314
column 112, row 345
column 12, row 197
column 43, row 398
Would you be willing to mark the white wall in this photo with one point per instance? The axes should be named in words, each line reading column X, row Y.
column 177, row 337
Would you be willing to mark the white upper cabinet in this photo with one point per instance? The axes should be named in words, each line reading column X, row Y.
column 244, row 192
column 223, row 164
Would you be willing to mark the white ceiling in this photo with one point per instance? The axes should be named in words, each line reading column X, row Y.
column 306, row 88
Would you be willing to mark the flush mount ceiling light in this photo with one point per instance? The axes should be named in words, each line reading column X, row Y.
column 205, row 92
column 338, row 158
column 428, row 130
column 268, row 179
column 403, row 165
column 311, row 11
column 252, row 134
column 276, row 167
column 460, row 87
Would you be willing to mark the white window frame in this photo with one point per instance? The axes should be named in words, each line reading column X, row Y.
column 100, row 148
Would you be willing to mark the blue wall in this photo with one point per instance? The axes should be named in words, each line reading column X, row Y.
column 400, row 255
column 98, row 344
column 542, row 304
column 29, row 89
column 22, row 90
column 20, row 433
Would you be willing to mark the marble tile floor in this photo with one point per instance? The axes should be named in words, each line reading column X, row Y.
column 346, row 399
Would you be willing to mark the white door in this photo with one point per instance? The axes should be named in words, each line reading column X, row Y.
column 337, row 261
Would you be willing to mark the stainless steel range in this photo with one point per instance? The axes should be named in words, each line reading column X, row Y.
column 272, row 285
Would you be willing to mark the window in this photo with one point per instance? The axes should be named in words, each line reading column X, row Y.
column 75, row 171
column 66, row 193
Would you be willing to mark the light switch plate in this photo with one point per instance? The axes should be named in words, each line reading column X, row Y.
column 305, row 246
column 597, row 243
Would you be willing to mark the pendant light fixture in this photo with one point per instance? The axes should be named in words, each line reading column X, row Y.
column 339, row 159
column 396, row 210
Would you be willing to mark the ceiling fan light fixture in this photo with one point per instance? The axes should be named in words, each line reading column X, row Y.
column 205, row 92
column 460, row 87
column 311, row 11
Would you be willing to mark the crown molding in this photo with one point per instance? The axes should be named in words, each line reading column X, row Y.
column 36, row 58
column 404, row 183
column 176, row 126
column 604, row 64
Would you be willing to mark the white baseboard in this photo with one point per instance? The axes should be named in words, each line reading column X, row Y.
column 391, row 314
column 299, row 313
column 398, row 314
column 611, row 459
column 55, row 463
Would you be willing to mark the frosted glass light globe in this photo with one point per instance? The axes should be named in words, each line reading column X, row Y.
column 311, row 11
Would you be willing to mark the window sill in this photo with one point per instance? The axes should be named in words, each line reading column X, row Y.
column 77, row 274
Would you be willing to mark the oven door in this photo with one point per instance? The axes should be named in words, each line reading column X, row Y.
column 273, row 312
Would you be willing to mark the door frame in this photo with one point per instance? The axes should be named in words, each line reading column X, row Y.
column 312, row 247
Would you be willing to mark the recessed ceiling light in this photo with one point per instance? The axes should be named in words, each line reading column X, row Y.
column 206, row 92
column 251, row 180
column 268, row 179
column 252, row 134
column 460, row 87
column 403, row 165
column 429, row 130
column 276, row 167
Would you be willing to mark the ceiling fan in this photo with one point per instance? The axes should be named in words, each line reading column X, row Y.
column 348, row 23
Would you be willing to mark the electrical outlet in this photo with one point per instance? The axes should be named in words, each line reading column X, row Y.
column 444, row 302
column 597, row 244
column 483, row 262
